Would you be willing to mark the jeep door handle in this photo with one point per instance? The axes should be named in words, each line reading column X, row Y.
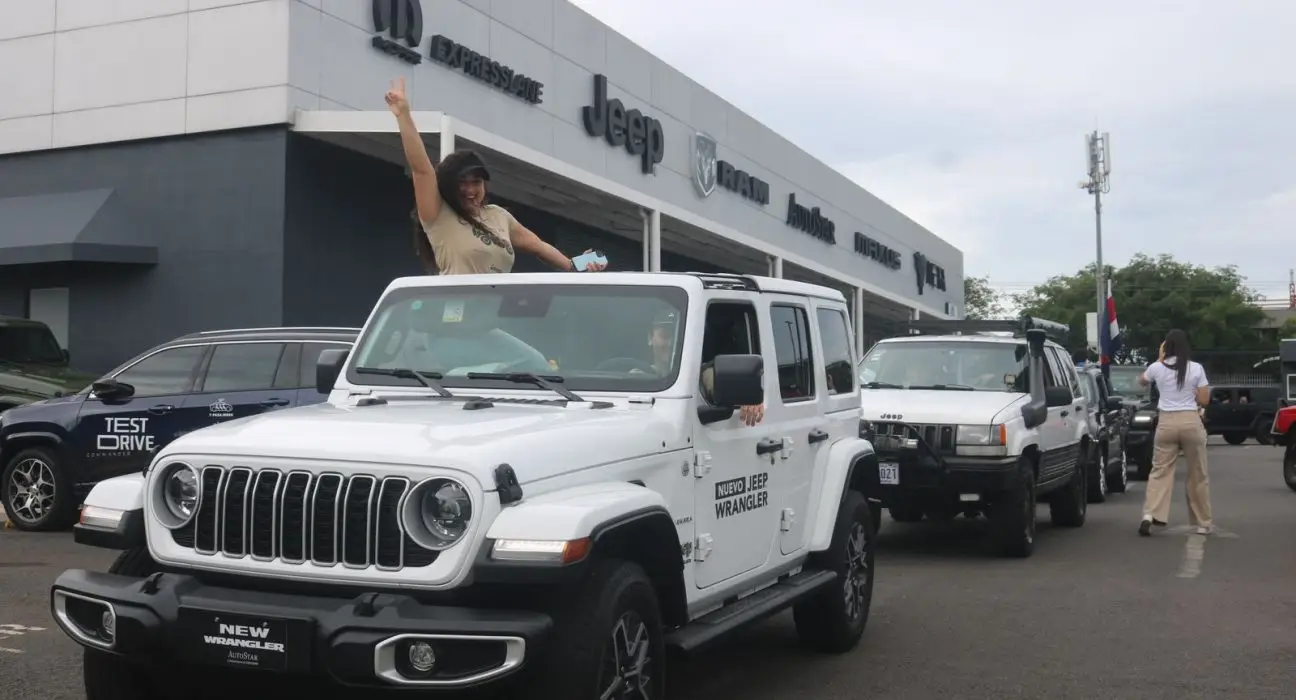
column 161, row 409
column 1065, row 414
column 275, row 402
column 817, row 435
column 768, row 445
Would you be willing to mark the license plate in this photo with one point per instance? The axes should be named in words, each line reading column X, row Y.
column 244, row 641
column 889, row 473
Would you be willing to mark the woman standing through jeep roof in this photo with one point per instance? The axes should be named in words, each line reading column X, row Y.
column 455, row 231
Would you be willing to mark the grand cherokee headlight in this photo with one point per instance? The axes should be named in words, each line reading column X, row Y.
column 179, row 490
column 988, row 435
column 437, row 513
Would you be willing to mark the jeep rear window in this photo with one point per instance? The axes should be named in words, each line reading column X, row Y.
column 595, row 337
column 981, row 365
column 29, row 343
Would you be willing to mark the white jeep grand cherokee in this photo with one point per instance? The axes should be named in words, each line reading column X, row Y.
column 543, row 478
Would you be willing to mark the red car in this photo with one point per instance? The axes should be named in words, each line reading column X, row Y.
column 1284, row 430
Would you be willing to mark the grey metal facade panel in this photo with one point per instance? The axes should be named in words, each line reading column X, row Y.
column 217, row 203
column 565, row 49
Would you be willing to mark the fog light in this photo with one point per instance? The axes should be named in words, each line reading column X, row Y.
column 421, row 657
column 108, row 625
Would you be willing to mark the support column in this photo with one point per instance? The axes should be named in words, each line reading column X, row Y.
column 775, row 266
column 651, row 240
column 857, row 303
column 447, row 137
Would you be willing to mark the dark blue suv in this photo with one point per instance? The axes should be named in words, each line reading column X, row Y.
column 52, row 452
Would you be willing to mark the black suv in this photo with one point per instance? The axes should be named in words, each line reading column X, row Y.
column 53, row 451
column 1106, row 416
column 32, row 364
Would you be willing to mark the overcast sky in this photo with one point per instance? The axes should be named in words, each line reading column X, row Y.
column 970, row 117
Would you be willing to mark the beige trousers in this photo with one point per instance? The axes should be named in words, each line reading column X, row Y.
column 1179, row 430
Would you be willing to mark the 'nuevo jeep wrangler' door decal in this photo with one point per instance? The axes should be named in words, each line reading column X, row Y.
column 738, row 496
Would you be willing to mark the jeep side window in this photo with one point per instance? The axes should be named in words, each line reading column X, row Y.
column 167, row 373
column 1068, row 370
column 836, row 351
column 1050, row 369
column 730, row 330
column 242, row 367
column 791, row 326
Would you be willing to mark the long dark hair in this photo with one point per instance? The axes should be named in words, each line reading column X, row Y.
column 448, row 171
column 422, row 246
column 1176, row 346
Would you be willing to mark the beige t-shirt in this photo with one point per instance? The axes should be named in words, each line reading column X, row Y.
column 466, row 249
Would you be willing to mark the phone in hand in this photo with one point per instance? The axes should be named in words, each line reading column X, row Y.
column 580, row 262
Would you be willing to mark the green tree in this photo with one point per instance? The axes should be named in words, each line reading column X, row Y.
column 980, row 300
column 1153, row 295
column 1288, row 329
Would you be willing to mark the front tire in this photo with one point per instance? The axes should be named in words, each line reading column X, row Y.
column 107, row 676
column 607, row 639
column 37, row 494
column 1235, row 438
column 1012, row 515
column 1069, row 505
column 833, row 620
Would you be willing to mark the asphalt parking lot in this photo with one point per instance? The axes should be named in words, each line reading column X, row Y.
column 1097, row 612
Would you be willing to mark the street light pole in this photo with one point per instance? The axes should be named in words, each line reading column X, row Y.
column 1098, row 151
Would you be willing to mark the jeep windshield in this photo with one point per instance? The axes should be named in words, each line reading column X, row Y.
column 29, row 343
column 1125, row 381
column 945, row 365
column 585, row 337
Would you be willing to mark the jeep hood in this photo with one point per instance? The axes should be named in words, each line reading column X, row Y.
column 537, row 441
column 930, row 406
column 36, row 382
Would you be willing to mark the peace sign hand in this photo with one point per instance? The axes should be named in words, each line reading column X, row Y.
column 395, row 97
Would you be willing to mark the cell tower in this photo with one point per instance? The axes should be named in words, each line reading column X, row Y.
column 1098, row 152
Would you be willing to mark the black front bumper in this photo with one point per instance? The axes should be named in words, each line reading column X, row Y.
column 920, row 472
column 176, row 621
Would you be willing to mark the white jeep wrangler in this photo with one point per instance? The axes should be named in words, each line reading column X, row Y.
column 543, row 478
column 970, row 417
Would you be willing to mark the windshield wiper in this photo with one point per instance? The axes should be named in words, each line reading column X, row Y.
column 428, row 379
column 544, row 382
column 882, row 385
column 945, row 387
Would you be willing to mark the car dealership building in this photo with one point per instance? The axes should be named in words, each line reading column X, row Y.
column 177, row 165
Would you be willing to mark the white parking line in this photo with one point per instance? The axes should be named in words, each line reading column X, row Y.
column 1194, row 555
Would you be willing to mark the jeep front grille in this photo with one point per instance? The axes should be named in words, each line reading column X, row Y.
column 300, row 517
column 940, row 437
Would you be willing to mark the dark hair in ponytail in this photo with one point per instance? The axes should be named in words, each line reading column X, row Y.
column 422, row 246
column 1176, row 346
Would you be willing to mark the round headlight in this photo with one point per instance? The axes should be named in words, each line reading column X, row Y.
column 180, row 492
column 438, row 513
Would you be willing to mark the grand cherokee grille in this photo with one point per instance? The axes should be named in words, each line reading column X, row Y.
column 302, row 517
column 940, row 437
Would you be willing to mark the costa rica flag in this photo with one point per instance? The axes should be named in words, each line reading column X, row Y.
column 1109, row 335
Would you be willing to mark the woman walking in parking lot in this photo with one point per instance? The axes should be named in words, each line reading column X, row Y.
column 1183, row 389
column 455, row 231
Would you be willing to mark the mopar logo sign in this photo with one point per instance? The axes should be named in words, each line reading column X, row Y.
column 401, row 20
column 927, row 273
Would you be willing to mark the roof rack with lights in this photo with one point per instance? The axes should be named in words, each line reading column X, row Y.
column 1057, row 332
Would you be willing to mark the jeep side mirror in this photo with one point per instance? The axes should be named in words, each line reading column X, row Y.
column 1057, row 396
column 739, row 380
column 112, row 389
column 328, row 367
column 1114, row 403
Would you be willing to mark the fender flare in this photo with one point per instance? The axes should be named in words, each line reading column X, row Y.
column 123, row 497
column 838, row 474
column 575, row 513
